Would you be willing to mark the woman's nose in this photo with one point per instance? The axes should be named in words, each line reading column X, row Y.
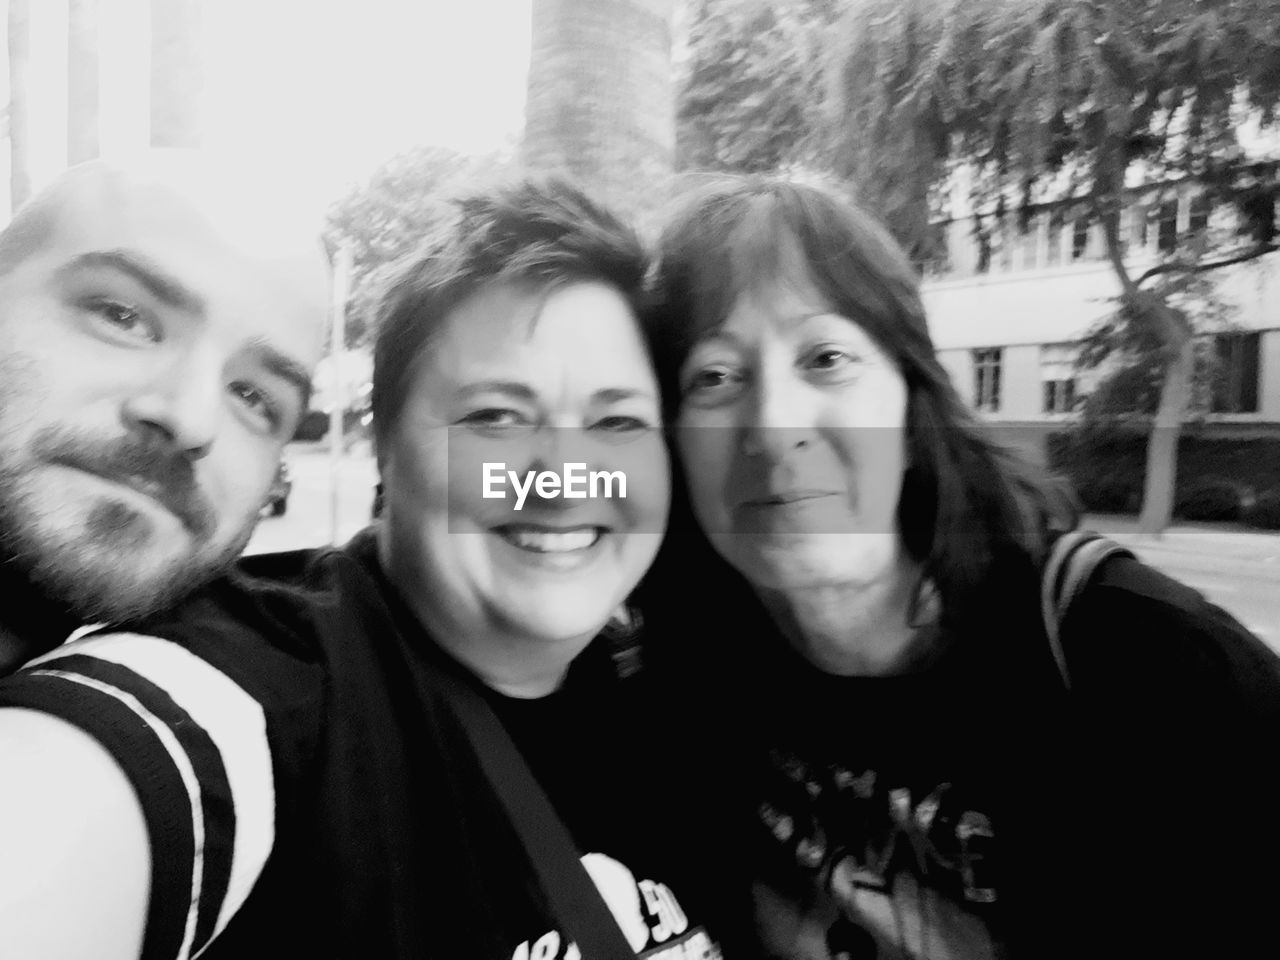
column 779, row 417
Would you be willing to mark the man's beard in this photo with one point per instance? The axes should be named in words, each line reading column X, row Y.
column 107, row 568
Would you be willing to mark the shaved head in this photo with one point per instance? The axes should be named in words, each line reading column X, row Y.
column 159, row 322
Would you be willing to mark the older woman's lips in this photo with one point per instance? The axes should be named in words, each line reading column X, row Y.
column 786, row 498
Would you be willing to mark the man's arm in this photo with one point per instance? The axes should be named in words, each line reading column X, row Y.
column 74, row 856
column 121, row 749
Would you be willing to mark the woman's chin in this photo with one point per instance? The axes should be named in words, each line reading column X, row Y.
column 807, row 561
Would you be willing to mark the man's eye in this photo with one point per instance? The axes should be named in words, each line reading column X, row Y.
column 256, row 402
column 123, row 319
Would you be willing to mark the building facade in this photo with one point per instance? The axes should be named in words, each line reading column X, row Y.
column 1008, row 308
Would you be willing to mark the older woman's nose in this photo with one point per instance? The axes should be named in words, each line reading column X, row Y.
column 779, row 418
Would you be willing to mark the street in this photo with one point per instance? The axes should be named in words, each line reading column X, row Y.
column 310, row 518
column 1238, row 570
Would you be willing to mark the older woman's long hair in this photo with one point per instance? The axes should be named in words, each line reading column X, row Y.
column 967, row 505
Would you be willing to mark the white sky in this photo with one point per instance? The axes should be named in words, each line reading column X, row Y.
column 330, row 87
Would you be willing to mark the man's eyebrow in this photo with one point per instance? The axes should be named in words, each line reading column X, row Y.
column 284, row 367
column 159, row 283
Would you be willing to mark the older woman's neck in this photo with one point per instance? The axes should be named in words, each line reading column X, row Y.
column 855, row 629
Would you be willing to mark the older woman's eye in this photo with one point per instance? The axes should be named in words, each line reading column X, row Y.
column 709, row 379
column 830, row 361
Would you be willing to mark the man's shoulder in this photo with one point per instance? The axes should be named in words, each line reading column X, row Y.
column 278, row 600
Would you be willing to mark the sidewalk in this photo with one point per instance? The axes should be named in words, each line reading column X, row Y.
column 1222, row 540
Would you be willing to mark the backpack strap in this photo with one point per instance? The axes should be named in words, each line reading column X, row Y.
column 573, row 896
column 1071, row 564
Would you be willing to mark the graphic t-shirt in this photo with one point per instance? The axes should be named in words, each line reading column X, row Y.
column 656, row 899
column 309, row 790
column 979, row 809
column 875, row 829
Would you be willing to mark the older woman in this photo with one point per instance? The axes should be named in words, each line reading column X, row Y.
column 434, row 742
column 926, row 785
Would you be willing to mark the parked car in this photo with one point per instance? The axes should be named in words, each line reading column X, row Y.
column 278, row 497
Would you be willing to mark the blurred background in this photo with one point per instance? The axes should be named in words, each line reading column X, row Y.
column 1089, row 191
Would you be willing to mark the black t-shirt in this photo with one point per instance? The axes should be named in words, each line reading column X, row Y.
column 874, row 805
column 309, row 790
column 979, row 809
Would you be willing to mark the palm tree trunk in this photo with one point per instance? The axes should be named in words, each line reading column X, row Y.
column 19, row 138
column 601, row 100
column 82, row 80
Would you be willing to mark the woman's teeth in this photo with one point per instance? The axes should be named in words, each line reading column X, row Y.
column 543, row 541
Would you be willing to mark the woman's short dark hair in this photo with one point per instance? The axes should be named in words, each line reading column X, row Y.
column 966, row 502
column 540, row 232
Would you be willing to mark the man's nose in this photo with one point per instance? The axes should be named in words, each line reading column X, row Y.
column 181, row 402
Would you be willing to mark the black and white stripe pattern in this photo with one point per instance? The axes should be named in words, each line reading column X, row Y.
column 194, row 745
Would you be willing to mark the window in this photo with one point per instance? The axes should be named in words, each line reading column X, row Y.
column 1199, row 218
column 1235, row 383
column 1167, row 228
column 1057, row 373
column 1006, row 237
column 1080, row 238
column 1059, row 395
column 1139, row 222
column 1054, row 253
column 986, row 379
column 984, row 234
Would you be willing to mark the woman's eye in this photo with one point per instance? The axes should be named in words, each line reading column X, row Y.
column 707, row 379
column 829, row 360
column 123, row 319
column 619, row 423
column 494, row 418
column 256, row 402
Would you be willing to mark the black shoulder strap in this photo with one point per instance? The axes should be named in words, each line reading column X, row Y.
column 1071, row 564
column 575, row 899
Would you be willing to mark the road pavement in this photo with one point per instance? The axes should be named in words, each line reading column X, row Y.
column 320, row 511
column 1237, row 569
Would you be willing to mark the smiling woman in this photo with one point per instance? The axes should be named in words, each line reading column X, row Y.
column 521, row 374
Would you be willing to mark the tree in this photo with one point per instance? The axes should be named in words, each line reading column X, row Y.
column 82, row 80
column 19, row 138
column 1036, row 98
column 177, row 73
column 386, row 217
column 751, row 88
column 600, row 98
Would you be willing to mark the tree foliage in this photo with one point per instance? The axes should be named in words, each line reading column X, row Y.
column 751, row 87
column 1075, row 98
column 1016, row 103
column 387, row 216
